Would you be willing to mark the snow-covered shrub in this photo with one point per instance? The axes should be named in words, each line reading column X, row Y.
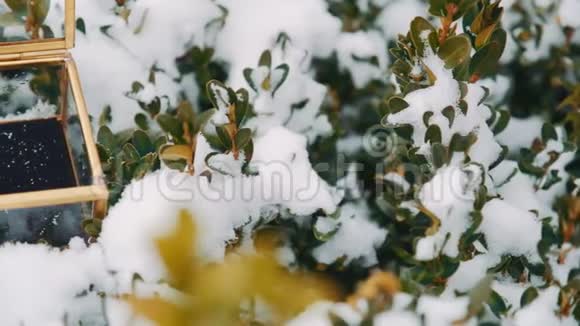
column 421, row 155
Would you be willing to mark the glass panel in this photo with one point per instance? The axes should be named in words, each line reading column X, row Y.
column 55, row 225
column 31, row 92
column 34, row 152
column 26, row 20
column 78, row 147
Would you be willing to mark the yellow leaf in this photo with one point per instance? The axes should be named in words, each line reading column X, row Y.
column 380, row 286
column 163, row 313
column 177, row 152
column 436, row 222
column 178, row 251
column 484, row 36
column 215, row 291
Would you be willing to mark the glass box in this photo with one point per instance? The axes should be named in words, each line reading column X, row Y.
column 50, row 173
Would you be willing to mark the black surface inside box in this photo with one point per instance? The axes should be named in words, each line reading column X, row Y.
column 34, row 156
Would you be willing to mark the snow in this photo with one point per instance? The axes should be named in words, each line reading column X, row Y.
column 440, row 312
column 513, row 137
column 45, row 281
column 148, row 207
column 396, row 318
column 568, row 13
column 362, row 45
column 397, row 15
column 445, row 92
column 449, row 196
column 296, row 103
column 541, row 311
column 306, row 22
column 561, row 268
column 41, row 110
column 356, row 238
column 498, row 88
column 470, row 272
column 510, row 230
column 318, row 315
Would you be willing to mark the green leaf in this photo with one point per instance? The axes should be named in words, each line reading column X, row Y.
column 404, row 131
column 449, row 113
column 248, row 77
column 106, row 138
column 141, row 121
column 397, row 104
column 145, row 166
column 549, row 132
column 171, row 125
column 497, row 304
column 426, row 116
column 500, row 38
column 502, row 156
column 265, row 59
column 80, row 26
column 485, row 61
column 243, row 137
column 202, row 119
column 418, row 36
column 161, row 140
column 485, row 95
column 528, row 296
column 92, row 227
column 131, row 153
column 142, row 143
column 461, row 72
column 502, row 122
column 218, row 94
column 136, row 87
column 552, row 178
column 241, row 106
column 528, row 168
column 153, row 107
column 455, row 51
column 463, row 90
column 401, row 68
column 285, row 69
column 461, row 143
column 322, row 236
column 463, row 106
column 437, row 8
column 249, row 151
column 433, row 134
column 479, row 295
column 215, row 142
column 480, row 198
column 105, row 117
column 439, row 155
column 224, row 136
column 104, row 154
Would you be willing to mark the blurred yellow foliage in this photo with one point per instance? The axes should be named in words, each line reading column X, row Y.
column 214, row 293
column 378, row 289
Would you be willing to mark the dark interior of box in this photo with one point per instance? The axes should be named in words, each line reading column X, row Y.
column 34, row 156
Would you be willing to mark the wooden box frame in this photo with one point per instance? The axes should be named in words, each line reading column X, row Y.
column 55, row 51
